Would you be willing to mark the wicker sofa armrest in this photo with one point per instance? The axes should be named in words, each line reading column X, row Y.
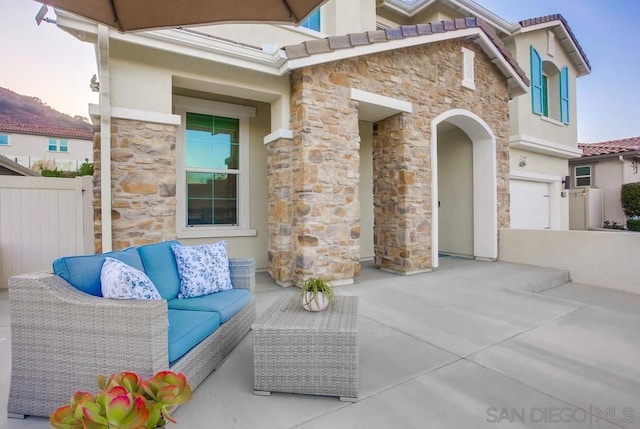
column 62, row 338
column 243, row 273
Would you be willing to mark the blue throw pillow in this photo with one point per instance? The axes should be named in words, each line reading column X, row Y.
column 121, row 281
column 203, row 269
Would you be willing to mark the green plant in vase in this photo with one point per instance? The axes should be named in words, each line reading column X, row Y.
column 316, row 294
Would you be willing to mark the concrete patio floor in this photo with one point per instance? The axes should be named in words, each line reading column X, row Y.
column 470, row 345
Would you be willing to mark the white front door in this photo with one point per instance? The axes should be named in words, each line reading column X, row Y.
column 529, row 204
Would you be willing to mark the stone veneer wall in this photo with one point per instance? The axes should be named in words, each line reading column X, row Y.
column 143, row 179
column 320, row 209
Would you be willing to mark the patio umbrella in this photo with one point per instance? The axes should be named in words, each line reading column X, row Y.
column 130, row 15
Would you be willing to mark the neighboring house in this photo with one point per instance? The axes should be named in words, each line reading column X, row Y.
column 29, row 145
column 11, row 168
column 311, row 149
column 607, row 166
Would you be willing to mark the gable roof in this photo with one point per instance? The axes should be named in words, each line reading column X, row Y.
column 301, row 54
column 46, row 130
column 612, row 147
column 564, row 35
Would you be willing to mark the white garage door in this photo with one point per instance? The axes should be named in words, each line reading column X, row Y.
column 529, row 204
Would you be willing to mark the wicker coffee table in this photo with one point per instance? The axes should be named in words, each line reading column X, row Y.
column 297, row 351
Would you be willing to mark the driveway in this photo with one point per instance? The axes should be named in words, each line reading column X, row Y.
column 470, row 345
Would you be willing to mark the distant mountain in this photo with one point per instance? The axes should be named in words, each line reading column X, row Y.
column 21, row 109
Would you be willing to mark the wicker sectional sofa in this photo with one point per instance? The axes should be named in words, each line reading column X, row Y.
column 62, row 337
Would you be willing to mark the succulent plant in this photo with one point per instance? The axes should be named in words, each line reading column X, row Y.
column 125, row 401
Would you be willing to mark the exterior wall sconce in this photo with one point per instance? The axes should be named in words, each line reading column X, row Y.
column 634, row 166
column 523, row 161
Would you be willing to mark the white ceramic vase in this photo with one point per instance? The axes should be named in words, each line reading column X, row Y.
column 314, row 303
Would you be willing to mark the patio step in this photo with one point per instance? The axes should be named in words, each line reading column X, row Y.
column 542, row 278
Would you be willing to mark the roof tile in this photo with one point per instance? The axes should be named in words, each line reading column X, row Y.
column 424, row 29
column 339, row 42
column 557, row 17
column 611, row 147
column 46, row 130
column 394, row 33
column 317, row 46
column 358, row 39
column 409, row 31
column 296, row 51
column 377, row 36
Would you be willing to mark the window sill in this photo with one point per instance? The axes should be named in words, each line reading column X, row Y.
column 204, row 232
column 552, row 121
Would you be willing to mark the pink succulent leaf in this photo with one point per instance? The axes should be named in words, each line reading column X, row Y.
column 64, row 418
column 92, row 412
column 118, row 407
column 137, row 417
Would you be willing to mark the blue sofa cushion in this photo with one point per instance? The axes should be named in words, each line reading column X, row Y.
column 83, row 272
column 227, row 303
column 187, row 329
column 160, row 265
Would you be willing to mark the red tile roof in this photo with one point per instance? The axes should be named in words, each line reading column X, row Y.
column 46, row 130
column 610, row 147
column 557, row 17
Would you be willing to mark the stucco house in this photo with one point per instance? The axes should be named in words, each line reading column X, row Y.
column 61, row 147
column 607, row 166
column 389, row 130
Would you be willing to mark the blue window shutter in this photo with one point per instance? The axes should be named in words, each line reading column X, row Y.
column 536, row 82
column 313, row 21
column 564, row 95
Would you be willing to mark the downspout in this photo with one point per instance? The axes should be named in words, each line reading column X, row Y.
column 105, row 137
column 622, row 163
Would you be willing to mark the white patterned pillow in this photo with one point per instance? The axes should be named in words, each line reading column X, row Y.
column 121, row 281
column 203, row 269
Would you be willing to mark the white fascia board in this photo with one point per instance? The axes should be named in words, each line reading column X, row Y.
column 503, row 63
column 183, row 42
column 207, row 48
column 567, row 36
column 533, row 144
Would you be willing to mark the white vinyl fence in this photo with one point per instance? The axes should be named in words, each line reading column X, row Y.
column 43, row 218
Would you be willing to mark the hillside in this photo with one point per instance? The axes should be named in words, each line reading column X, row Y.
column 21, row 109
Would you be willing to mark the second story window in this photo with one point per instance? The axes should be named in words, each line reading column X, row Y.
column 4, row 140
column 313, row 21
column 549, row 89
column 58, row 145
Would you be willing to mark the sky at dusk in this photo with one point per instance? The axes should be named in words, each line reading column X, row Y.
column 45, row 62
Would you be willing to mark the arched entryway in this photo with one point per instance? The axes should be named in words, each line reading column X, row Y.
column 463, row 126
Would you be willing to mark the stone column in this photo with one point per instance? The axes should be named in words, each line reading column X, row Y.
column 280, row 202
column 402, row 195
column 325, row 208
column 143, row 181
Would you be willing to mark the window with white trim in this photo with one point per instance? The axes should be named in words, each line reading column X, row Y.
column 58, row 145
column 582, row 174
column 212, row 163
column 4, row 140
column 468, row 68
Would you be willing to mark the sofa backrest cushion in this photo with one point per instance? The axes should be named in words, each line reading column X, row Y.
column 160, row 265
column 83, row 272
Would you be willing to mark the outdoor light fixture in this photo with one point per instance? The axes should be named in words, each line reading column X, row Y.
column 94, row 84
column 42, row 13
column 567, row 182
column 523, row 161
